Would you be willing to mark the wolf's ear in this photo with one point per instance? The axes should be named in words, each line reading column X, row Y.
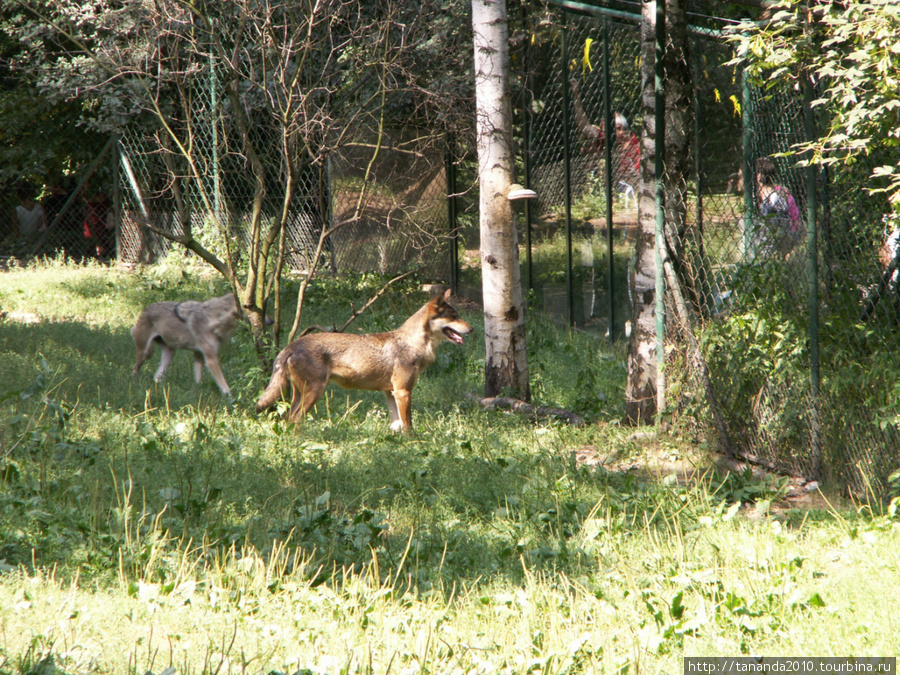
column 447, row 295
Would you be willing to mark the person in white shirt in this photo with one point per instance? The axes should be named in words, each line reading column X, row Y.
column 30, row 216
column 888, row 253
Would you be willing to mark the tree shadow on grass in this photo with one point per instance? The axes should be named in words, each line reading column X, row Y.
column 102, row 474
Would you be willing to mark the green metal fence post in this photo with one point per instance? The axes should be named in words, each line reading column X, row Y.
column 529, row 279
column 705, row 279
column 813, row 262
column 567, row 127
column 117, row 198
column 608, row 192
column 213, row 111
column 748, row 171
column 697, row 242
column 450, row 169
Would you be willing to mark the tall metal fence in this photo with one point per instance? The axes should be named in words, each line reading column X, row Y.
column 584, row 79
column 387, row 215
column 795, row 311
column 394, row 220
column 813, row 316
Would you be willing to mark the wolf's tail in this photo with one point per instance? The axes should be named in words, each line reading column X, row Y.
column 276, row 387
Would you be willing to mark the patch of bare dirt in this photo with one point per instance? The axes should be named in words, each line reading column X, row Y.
column 21, row 317
column 658, row 464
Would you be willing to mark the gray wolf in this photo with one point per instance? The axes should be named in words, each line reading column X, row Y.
column 388, row 362
column 202, row 327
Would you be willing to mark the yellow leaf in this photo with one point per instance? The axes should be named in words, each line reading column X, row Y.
column 737, row 105
column 717, row 95
column 586, row 59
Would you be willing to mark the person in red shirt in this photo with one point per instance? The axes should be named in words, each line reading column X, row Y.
column 626, row 152
column 99, row 228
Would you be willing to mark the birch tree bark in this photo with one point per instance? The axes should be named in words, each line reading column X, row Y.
column 641, row 383
column 682, row 238
column 506, row 362
column 644, row 390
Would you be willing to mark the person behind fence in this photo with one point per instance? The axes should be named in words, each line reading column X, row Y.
column 629, row 153
column 779, row 228
column 890, row 272
column 66, row 234
column 626, row 152
column 887, row 255
column 31, row 219
column 99, row 228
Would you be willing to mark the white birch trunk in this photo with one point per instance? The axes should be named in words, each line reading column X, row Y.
column 506, row 363
column 642, row 376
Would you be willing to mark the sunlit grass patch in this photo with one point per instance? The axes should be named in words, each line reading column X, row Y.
column 146, row 527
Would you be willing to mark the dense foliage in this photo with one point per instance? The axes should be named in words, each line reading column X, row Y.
column 851, row 52
column 55, row 140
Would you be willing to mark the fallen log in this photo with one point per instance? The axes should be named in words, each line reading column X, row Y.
column 533, row 412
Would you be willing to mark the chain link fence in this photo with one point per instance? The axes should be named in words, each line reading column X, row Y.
column 839, row 300
column 62, row 215
column 382, row 200
column 792, row 293
column 385, row 216
column 585, row 80
column 800, row 332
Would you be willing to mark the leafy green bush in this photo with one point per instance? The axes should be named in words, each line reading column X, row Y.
column 758, row 359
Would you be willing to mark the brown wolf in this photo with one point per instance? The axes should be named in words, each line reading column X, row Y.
column 202, row 327
column 388, row 362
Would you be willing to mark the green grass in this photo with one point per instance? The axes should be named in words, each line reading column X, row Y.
column 150, row 527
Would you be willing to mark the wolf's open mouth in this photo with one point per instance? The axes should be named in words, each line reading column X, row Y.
column 453, row 336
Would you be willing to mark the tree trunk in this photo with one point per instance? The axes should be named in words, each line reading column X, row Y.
column 640, row 387
column 682, row 239
column 506, row 363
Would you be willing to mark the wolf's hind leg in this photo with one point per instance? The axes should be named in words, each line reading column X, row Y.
column 167, row 354
column 212, row 362
column 198, row 366
column 305, row 396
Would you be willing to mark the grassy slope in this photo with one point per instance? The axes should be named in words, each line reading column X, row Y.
column 157, row 528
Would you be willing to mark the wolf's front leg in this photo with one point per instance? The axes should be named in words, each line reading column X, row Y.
column 399, row 408
column 394, row 412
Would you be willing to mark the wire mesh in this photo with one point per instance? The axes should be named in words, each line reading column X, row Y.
column 384, row 214
column 586, row 81
column 744, row 254
column 382, row 201
column 757, row 303
column 840, row 425
column 71, row 216
column 396, row 218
